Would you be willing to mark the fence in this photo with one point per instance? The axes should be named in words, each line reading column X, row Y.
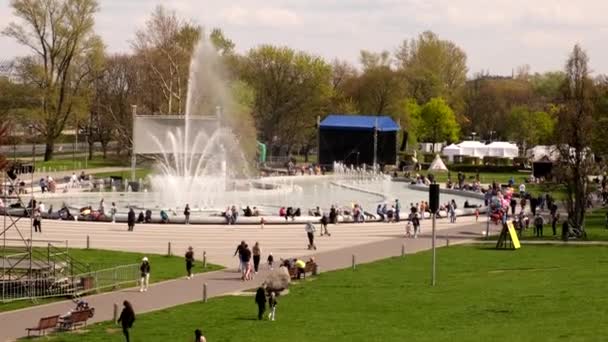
column 67, row 286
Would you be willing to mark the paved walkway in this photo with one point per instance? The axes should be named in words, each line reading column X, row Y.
column 180, row 291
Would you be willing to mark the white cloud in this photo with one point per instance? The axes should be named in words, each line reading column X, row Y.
column 265, row 16
column 497, row 35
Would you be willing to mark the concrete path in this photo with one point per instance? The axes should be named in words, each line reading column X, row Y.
column 175, row 292
column 218, row 241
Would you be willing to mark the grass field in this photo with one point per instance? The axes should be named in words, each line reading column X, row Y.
column 595, row 226
column 67, row 164
column 484, row 177
column 538, row 293
column 164, row 267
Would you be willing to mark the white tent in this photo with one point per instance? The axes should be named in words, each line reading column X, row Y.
column 451, row 151
column 540, row 151
column 437, row 165
column 473, row 149
column 502, row 149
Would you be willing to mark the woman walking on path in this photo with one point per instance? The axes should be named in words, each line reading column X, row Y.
column 145, row 274
column 187, row 214
column 127, row 317
column 113, row 212
column 189, row 261
column 257, row 254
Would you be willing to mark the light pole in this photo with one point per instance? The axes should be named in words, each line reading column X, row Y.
column 473, row 134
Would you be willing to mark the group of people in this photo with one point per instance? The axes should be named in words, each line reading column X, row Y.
column 386, row 214
column 47, row 185
column 249, row 259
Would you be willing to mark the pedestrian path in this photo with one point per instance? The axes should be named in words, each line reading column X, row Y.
column 175, row 292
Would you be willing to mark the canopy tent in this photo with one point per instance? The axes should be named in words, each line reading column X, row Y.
column 539, row 152
column 437, row 165
column 451, row 151
column 358, row 139
column 473, row 149
column 502, row 149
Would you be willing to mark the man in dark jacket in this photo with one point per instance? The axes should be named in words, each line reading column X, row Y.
column 131, row 219
column 260, row 299
column 127, row 317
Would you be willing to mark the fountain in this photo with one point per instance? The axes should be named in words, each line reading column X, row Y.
column 198, row 165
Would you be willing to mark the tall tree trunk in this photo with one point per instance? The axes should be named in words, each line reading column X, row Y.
column 104, row 148
column 48, row 150
column 91, row 145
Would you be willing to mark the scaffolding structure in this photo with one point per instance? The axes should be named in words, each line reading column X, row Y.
column 16, row 254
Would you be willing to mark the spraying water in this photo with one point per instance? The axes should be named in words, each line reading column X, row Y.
column 198, row 162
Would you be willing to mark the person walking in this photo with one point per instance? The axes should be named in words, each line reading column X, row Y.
column 187, row 214
column 37, row 221
column 260, row 300
column 416, row 224
column 397, row 210
column 324, row 223
column 131, row 219
column 126, row 319
column 239, row 251
column 257, row 254
column 554, row 220
column 189, row 262
column 144, row 268
column 198, row 336
column 538, row 225
column 310, row 232
column 113, row 212
column 272, row 305
column 333, row 215
column 245, row 263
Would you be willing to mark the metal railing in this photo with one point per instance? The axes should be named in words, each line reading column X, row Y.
column 37, row 287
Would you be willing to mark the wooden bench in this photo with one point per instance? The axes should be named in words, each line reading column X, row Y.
column 311, row 267
column 44, row 324
column 77, row 318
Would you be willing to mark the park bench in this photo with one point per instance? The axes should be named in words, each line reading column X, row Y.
column 311, row 267
column 44, row 324
column 76, row 318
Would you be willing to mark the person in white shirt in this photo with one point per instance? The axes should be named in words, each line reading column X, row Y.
column 310, row 231
column 522, row 189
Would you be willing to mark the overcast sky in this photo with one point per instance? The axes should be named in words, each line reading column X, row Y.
column 497, row 35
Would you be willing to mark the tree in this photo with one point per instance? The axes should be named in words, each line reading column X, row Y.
column 60, row 33
column 437, row 122
column 4, row 130
column 291, row 89
column 529, row 128
column 433, row 68
column 165, row 46
column 573, row 134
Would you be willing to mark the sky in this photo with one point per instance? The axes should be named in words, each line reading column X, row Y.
column 497, row 35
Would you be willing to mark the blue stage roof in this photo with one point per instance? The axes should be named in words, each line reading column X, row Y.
column 359, row 123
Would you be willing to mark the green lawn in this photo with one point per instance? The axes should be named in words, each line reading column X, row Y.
column 484, row 177
column 595, row 226
column 164, row 268
column 61, row 164
column 538, row 293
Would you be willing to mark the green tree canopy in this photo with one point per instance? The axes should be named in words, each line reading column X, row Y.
column 437, row 122
column 529, row 128
column 291, row 89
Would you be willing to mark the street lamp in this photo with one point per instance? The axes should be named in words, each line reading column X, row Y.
column 473, row 134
